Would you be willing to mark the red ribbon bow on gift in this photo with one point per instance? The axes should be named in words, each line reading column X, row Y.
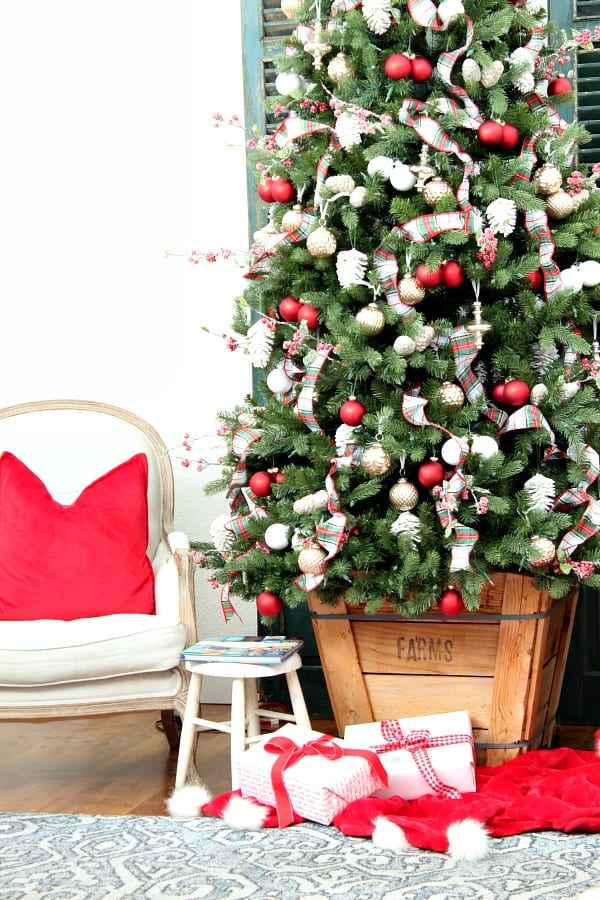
column 417, row 743
column 289, row 753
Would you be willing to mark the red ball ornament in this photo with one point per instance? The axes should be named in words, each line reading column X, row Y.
column 451, row 603
column 260, row 483
column 264, row 190
column 511, row 137
column 431, row 473
column 453, row 274
column 426, row 277
column 397, row 66
column 490, row 133
column 516, row 392
column 352, row 412
column 282, row 190
column 308, row 314
column 421, row 68
column 535, row 279
column 268, row 604
column 288, row 309
column 278, row 477
column 498, row 392
column 559, row 85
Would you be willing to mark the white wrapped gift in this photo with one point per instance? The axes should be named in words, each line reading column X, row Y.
column 421, row 754
column 311, row 773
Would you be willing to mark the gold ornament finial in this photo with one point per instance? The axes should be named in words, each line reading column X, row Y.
column 478, row 327
column 422, row 169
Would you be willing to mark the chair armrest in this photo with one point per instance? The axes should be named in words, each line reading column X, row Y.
column 174, row 583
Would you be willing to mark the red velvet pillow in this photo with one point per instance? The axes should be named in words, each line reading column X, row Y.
column 72, row 562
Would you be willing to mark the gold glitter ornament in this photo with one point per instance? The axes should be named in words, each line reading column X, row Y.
column 560, row 205
column 410, row 291
column 435, row 190
column 548, row 179
column 540, row 551
column 321, row 243
column 370, row 319
column 340, row 184
column 292, row 219
column 290, row 8
column 451, row 395
column 340, row 67
column 311, row 560
column 375, row 460
column 403, row 495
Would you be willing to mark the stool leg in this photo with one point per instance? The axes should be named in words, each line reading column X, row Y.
column 238, row 727
column 188, row 729
column 252, row 711
column 297, row 700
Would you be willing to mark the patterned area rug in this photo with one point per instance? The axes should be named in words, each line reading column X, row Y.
column 65, row 857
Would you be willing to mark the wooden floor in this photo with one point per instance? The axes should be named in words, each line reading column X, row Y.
column 120, row 764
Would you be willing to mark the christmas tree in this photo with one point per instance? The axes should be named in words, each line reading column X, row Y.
column 421, row 316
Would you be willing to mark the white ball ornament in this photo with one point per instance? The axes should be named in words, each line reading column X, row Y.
column 404, row 345
column 381, row 165
column 572, row 279
column 287, row 82
column 538, row 395
column 484, row 445
column 401, row 177
column 590, row 272
column 451, row 451
column 277, row 536
column 448, row 10
column 279, row 382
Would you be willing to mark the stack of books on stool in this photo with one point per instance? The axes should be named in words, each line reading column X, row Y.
column 268, row 649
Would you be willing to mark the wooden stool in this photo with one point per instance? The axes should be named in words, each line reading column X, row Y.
column 244, row 725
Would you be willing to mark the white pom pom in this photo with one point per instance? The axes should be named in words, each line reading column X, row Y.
column 389, row 836
column 277, row 536
column 243, row 814
column 278, row 381
column 401, row 177
column 590, row 272
column 451, row 451
column 448, row 10
column 484, row 445
column 188, row 800
column 380, row 165
column 572, row 279
column 468, row 840
column 286, row 82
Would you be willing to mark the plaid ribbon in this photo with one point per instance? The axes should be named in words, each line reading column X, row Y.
column 445, row 65
column 589, row 523
column 262, row 265
column 227, row 607
column 331, row 534
column 526, row 417
column 424, row 13
column 418, row 742
column 241, row 441
column 288, row 753
column 339, row 6
column 464, row 350
column 306, row 397
column 385, row 266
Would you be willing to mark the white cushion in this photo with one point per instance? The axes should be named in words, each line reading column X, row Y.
column 51, row 651
column 132, row 687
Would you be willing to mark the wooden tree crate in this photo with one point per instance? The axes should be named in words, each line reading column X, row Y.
column 503, row 663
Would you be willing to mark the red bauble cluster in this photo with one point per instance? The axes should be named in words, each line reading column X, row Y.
column 511, row 393
column 308, row 314
column 352, row 412
column 431, row 473
column 278, row 190
column 498, row 136
column 268, row 604
column 398, row 65
column 451, row 274
column 451, row 603
column 535, row 279
column 288, row 309
column 559, row 85
column 260, row 483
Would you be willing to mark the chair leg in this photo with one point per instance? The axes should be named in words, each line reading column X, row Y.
column 297, row 700
column 252, row 710
column 188, row 730
column 238, row 727
column 171, row 728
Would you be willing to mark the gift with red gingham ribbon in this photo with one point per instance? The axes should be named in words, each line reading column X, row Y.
column 288, row 753
column 417, row 742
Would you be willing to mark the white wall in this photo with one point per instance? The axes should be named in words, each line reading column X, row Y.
column 108, row 160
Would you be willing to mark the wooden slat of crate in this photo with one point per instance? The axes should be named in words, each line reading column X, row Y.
column 401, row 696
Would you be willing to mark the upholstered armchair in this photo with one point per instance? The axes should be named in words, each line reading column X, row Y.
column 96, row 587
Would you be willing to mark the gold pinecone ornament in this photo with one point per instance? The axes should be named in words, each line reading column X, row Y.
column 370, row 319
column 410, row 291
column 321, row 243
column 375, row 460
column 451, row 395
column 540, row 551
column 311, row 560
column 435, row 189
column 547, row 179
column 560, row 205
column 340, row 67
column 403, row 495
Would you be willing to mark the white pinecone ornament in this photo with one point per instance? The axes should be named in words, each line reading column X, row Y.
column 424, row 337
column 471, row 70
column 351, row 266
column 407, row 523
column 259, row 343
column 540, row 492
column 340, row 184
column 306, row 505
column 377, row 15
column 502, row 216
column 542, row 357
column 221, row 536
column 492, row 74
column 348, row 130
